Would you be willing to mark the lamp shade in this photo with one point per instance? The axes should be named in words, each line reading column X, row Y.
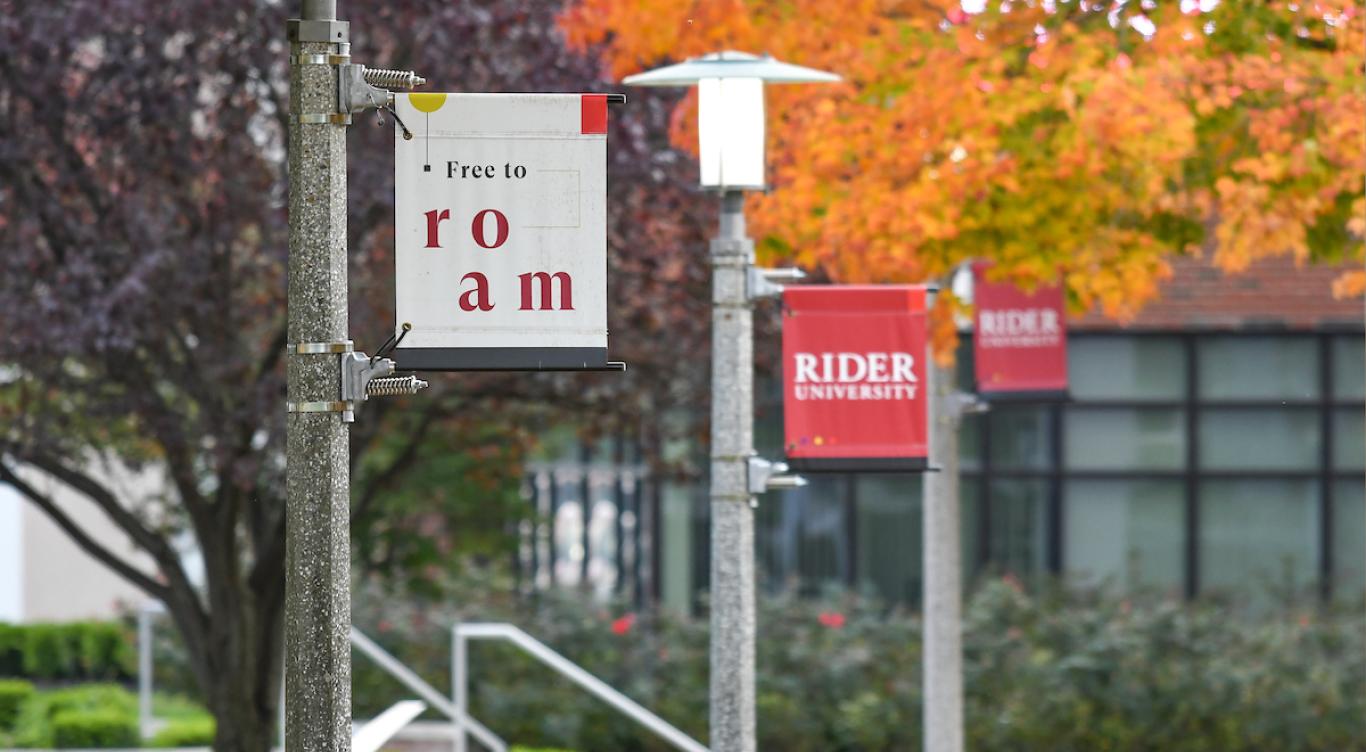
column 730, row 110
column 731, row 132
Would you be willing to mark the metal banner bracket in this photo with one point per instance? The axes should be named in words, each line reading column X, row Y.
column 362, row 377
column 771, row 476
column 767, row 283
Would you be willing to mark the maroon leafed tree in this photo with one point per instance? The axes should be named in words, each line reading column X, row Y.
column 142, row 267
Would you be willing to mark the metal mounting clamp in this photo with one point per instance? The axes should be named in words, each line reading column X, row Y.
column 766, row 283
column 363, row 378
column 322, row 348
column 319, row 58
column 317, row 407
column 769, row 476
column 360, row 88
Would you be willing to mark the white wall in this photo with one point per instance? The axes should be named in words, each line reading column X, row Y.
column 60, row 582
column 11, row 555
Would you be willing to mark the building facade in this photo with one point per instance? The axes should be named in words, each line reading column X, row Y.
column 1212, row 447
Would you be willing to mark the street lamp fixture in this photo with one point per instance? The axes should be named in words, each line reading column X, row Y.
column 730, row 110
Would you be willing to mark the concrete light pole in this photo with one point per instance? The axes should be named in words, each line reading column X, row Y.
column 732, row 513
column 326, row 378
column 942, row 661
column 942, row 664
column 318, row 528
column 731, row 160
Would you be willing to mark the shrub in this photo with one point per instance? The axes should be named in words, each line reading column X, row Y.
column 11, row 650
column 91, row 697
column 94, row 729
column 13, row 694
column 185, row 732
column 65, row 652
column 1061, row 671
column 106, row 650
column 36, row 724
column 49, row 653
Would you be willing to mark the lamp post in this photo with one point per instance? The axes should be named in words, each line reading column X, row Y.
column 731, row 160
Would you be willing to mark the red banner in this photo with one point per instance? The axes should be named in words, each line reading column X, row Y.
column 854, row 377
column 1019, row 339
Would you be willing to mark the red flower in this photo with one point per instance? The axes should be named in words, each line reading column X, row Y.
column 623, row 624
column 385, row 625
column 831, row 619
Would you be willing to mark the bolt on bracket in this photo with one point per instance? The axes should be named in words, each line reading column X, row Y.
column 362, row 379
column 362, row 88
column 767, row 283
column 770, row 476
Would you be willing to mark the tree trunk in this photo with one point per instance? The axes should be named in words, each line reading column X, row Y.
column 243, row 725
column 243, row 680
column 244, row 695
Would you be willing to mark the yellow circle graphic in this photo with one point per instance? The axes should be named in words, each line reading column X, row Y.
column 427, row 101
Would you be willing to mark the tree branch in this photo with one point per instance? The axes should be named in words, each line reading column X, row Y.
column 155, row 545
column 97, row 551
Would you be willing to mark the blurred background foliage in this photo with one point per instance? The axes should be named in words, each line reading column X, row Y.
column 1057, row 669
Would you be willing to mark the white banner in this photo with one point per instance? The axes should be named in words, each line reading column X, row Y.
column 501, row 231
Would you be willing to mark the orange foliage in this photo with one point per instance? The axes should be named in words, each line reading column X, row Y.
column 1092, row 141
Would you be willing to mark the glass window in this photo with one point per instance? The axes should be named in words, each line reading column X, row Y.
column 965, row 366
column 1125, row 533
column 680, row 547
column 1349, row 443
column 1259, row 537
column 1259, row 439
column 1126, row 368
column 1259, row 368
column 969, row 520
column 1020, row 438
column 800, row 534
column 768, row 416
column 1125, row 439
column 1019, row 529
column 1349, row 541
column 970, row 441
column 1349, row 368
column 889, row 536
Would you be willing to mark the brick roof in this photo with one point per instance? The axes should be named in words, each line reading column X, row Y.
column 1274, row 293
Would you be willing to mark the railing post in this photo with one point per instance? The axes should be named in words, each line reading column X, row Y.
column 145, row 671
column 459, row 685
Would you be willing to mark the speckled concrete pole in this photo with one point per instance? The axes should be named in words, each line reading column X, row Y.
column 942, row 670
column 317, row 574
column 732, row 516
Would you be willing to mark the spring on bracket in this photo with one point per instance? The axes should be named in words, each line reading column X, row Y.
column 394, row 386
column 386, row 78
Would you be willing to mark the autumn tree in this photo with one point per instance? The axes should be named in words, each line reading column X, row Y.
column 1094, row 138
column 142, row 321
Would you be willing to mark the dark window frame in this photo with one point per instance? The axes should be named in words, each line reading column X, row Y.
column 1192, row 474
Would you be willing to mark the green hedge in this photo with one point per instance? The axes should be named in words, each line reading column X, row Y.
column 37, row 724
column 1054, row 671
column 12, row 642
column 67, row 652
column 13, row 694
column 94, row 729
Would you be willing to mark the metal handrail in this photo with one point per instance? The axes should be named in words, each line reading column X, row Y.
column 462, row 633
column 459, row 718
column 381, row 728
